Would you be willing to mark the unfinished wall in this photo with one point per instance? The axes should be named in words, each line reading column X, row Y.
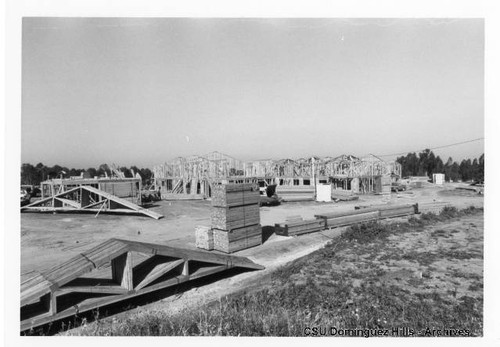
column 180, row 175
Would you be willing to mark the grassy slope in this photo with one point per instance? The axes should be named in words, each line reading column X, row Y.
column 342, row 285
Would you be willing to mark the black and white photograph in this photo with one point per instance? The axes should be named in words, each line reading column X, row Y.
column 250, row 175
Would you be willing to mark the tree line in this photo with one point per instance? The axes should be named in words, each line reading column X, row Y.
column 34, row 175
column 426, row 164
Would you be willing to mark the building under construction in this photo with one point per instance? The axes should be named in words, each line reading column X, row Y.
column 193, row 177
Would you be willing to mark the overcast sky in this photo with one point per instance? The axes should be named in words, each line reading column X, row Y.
column 143, row 91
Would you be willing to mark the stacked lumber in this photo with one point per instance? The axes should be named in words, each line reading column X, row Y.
column 235, row 217
column 391, row 210
column 296, row 193
column 229, row 218
column 296, row 226
column 343, row 195
column 366, row 213
column 231, row 195
column 335, row 221
column 237, row 239
column 399, row 211
column 299, row 227
column 204, row 237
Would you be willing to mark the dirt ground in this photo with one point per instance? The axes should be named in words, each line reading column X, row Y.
column 48, row 239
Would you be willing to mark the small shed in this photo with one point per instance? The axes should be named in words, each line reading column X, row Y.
column 438, row 178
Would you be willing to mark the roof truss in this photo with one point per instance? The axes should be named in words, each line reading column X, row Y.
column 113, row 271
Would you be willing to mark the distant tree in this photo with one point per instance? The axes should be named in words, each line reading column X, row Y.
column 29, row 174
column 126, row 171
column 439, row 167
column 103, row 170
column 480, row 169
column 455, row 172
column 134, row 169
column 42, row 172
column 146, row 175
column 465, row 170
column 91, row 172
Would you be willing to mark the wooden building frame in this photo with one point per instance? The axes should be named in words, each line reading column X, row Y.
column 362, row 175
column 125, row 188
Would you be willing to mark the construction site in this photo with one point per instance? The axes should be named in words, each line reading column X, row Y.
column 91, row 243
column 277, row 175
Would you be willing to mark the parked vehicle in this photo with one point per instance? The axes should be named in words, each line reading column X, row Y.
column 25, row 197
column 397, row 187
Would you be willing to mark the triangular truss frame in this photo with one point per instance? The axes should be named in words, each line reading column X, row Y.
column 113, row 271
column 87, row 199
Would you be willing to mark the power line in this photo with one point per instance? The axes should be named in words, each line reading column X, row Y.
column 439, row 147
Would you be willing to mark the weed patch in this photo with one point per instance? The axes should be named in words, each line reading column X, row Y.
column 344, row 284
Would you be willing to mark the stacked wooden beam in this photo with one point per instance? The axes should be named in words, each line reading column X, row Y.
column 204, row 237
column 296, row 193
column 335, row 220
column 237, row 239
column 299, row 227
column 296, row 226
column 343, row 195
column 229, row 218
column 365, row 214
column 235, row 217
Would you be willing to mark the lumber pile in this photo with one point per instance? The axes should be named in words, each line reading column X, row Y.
column 343, row 195
column 235, row 217
column 340, row 220
column 204, row 237
column 299, row 227
column 296, row 193
column 232, row 195
column 237, row 239
column 296, row 226
column 229, row 218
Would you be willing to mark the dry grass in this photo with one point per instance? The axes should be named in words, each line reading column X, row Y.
column 372, row 277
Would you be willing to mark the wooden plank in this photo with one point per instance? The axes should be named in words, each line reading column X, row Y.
column 229, row 242
column 69, row 202
column 299, row 227
column 204, row 237
column 196, row 255
column 360, row 210
column 207, row 271
column 231, row 187
column 93, row 289
column 36, row 290
column 94, row 204
column 352, row 219
column 101, row 254
column 234, row 217
column 36, row 203
column 245, row 232
column 123, row 202
column 158, row 271
column 235, row 195
column 121, row 268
